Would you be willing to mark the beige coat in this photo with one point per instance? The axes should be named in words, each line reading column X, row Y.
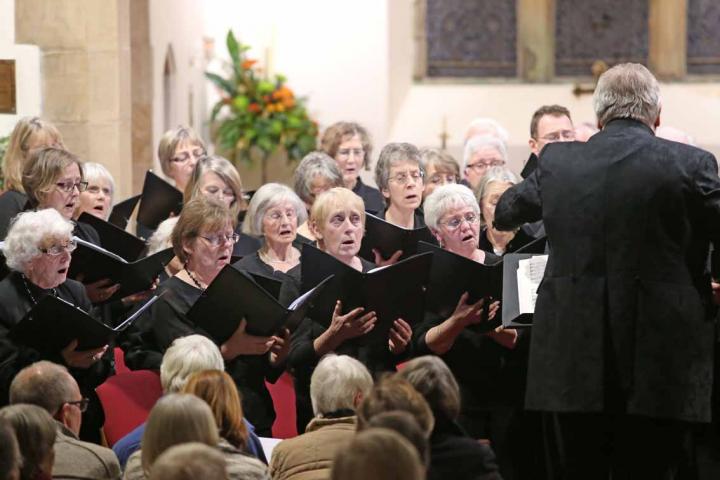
column 82, row 460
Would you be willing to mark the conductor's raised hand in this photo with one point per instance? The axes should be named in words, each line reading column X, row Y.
column 242, row 343
column 382, row 262
column 81, row 358
column 400, row 335
column 280, row 349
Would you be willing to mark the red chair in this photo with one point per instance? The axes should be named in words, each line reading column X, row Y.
column 119, row 356
column 127, row 399
column 283, row 395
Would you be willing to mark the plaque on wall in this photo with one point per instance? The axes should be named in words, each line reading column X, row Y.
column 703, row 41
column 7, row 86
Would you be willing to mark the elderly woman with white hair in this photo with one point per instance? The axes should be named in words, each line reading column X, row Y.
column 97, row 198
column 480, row 154
column 316, row 173
column 38, row 249
column 337, row 387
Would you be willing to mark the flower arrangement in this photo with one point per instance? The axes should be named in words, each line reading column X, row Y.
column 257, row 114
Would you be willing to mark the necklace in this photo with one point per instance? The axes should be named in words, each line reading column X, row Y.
column 292, row 258
column 27, row 289
column 192, row 277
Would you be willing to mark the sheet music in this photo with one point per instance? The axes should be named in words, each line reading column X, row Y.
column 299, row 301
column 529, row 275
column 97, row 248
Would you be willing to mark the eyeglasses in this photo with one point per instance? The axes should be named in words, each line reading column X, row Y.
column 442, row 178
column 346, row 152
column 480, row 166
column 185, row 156
column 67, row 187
column 404, row 178
column 81, row 404
column 217, row 240
column 567, row 135
column 455, row 222
column 339, row 220
column 56, row 250
column 277, row 215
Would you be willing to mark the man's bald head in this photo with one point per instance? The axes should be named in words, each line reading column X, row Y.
column 45, row 384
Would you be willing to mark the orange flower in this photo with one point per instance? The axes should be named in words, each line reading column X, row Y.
column 289, row 102
column 248, row 63
column 254, row 108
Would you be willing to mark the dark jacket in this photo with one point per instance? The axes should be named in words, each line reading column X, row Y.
column 372, row 197
column 623, row 320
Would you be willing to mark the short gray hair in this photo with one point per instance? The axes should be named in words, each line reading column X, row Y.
column 488, row 126
column 162, row 237
column 494, row 174
column 264, row 199
column 627, row 90
column 93, row 171
column 312, row 165
column 480, row 141
column 186, row 356
column 45, row 384
column 391, row 155
column 28, row 230
column 336, row 381
column 430, row 376
column 446, row 197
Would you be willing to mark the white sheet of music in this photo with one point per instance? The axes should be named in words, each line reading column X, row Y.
column 529, row 275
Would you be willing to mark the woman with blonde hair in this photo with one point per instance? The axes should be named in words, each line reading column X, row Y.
column 179, row 151
column 35, row 431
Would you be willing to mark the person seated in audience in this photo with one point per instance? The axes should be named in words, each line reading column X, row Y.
column 395, row 393
column 38, row 249
column 10, row 458
column 215, row 178
column 179, row 150
column 453, row 454
column 160, row 240
column 405, row 424
column 440, row 169
column 483, row 126
column 480, row 154
column 29, row 134
column 182, row 418
column 51, row 387
column 337, row 387
column 186, row 356
column 203, row 240
column 349, row 144
column 97, row 198
column 378, row 454
column 338, row 221
column 35, row 434
column 316, row 173
column 189, row 461
column 491, row 187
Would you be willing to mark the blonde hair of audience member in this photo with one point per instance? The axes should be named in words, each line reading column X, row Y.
column 379, row 454
column 29, row 134
column 405, row 424
column 35, row 431
column 175, row 419
column 178, row 151
column 186, row 356
column 97, row 198
column 339, row 382
column 162, row 239
column 190, row 461
column 480, row 154
column 338, row 201
column 440, row 169
column 218, row 390
column 483, row 126
column 10, row 458
column 198, row 217
column 341, row 141
column 41, row 174
column 431, row 376
column 395, row 393
column 216, row 178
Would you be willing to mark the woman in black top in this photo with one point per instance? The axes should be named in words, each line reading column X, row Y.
column 38, row 251
column 203, row 240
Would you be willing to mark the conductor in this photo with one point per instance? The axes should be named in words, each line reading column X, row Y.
column 622, row 344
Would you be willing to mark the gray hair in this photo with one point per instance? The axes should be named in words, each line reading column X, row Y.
column 189, row 461
column 35, row 431
column 93, row 171
column 186, row 356
column 430, row 376
column 162, row 237
column 264, row 199
column 45, row 384
column 627, row 90
column 391, row 155
column 335, row 383
column 494, row 174
column 444, row 198
column 312, row 165
column 488, row 126
column 480, row 141
column 27, row 230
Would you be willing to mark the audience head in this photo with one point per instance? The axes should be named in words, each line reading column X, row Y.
column 29, row 134
column 50, row 386
column 39, row 245
column 186, row 356
column 452, row 214
column 674, row 134
column 486, row 127
column 190, row 461
column 379, row 454
column 53, row 178
column 482, row 153
column 97, row 198
column 405, row 424
column 395, row 393
column 349, row 144
column 337, row 220
column 274, row 214
column 10, row 458
column 550, row 124
column 584, row 131
column 490, row 189
column 218, row 390
column 339, row 382
column 399, row 176
column 440, row 169
column 433, row 379
column 176, row 419
column 216, row 179
column 179, row 150
column 35, row 432
column 317, row 173
column 627, row 90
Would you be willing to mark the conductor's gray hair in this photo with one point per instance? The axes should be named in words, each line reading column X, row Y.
column 312, row 165
column 443, row 199
column 336, row 382
column 186, row 356
column 266, row 197
column 627, row 90
column 28, row 230
column 481, row 141
column 430, row 376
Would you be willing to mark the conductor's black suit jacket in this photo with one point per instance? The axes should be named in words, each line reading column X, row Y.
column 623, row 320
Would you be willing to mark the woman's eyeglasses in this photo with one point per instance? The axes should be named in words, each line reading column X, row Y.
column 217, row 240
column 455, row 222
column 56, row 250
column 67, row 187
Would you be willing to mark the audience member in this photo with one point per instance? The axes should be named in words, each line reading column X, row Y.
column 406, row 425
column 35, row 434
column 190, row 461
column 10, row 458
column 395, row 393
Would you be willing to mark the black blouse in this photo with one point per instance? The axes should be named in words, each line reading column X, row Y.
column 418, row 218
column 374, row 201
column 290, row 289
column 12, row 202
